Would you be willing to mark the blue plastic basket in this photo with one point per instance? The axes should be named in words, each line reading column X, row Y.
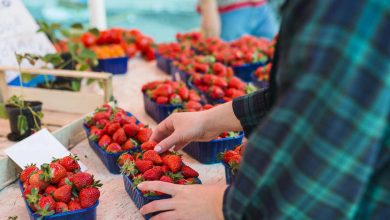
column 34, row 82
column 85, row 214
column 109, row 159
column 158, row 111
column 230, row 177
column 138, row 198
column 113, row 65
column 179, row 75
column 259, row 84
column 206, row 152
column 163, row 63
column 245, row 71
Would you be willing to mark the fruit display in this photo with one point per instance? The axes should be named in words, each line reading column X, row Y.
column 231, row 160
column 161, row 98
column 150, row 166
column 189, row 38
column 108, row 51
column 59, row 189
column 261, row 76
column 167, row 52
column 220, row 89
column 112, row 131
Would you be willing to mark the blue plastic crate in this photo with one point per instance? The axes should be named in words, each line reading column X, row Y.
column 158, row 111
column 229, row 175
column 163, row 63
column 207, row 152
column 85, row 214
column 245, row 71
column 259, row 84
column 113, row 65
column 109, row 159
column 138, row 198
column 34, row 82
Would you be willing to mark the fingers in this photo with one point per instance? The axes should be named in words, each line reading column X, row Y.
column 164, row 187
column 180, row 146
column 169, row 215
column 168, row 143
column 158, row 206
column 163, row 129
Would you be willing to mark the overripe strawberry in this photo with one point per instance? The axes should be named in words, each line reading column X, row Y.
column 131, row 130
column 188, row 172
column 144, row 134
column 153, row 173
column 89, row 196
column 148, row 145
column 113, row 148
column 81, row 180
column 27, row 172
column 61, row 207
column 143, row 165
column 129, row 144
column 63, row 193
column 104, row 141
column 119, row 136
column 125, row 157
column 152, row 156
column 70, row 163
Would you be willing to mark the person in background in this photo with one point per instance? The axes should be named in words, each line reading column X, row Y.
column 319, row 142
column 230, row 19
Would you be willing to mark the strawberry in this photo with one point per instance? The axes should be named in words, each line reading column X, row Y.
column 153, row 173
column 53, row 172
column 175, row 99
column 113, row 148
column 70, row 163
column 112, row 128
column 143, row 165
column 227, row 155
column 148, row 145
column 95, row 133
column 50, row 190
column 81, row 180
column 37, row 180
column 100, row 115
column 150, row 86
column 74, row 205
column 207, row 106
column 125, row 157
column 162, row 100
column 104, row 141
column 166, row 179
column 27, row 172
column 188, row 172
column 193, row 105
column 152, row 156
column 129, row 144
column 61, row 207
column 165, row 168
column 193, row 96
column 208, row 79
column 219, row 69
column 181, row 181
column 89, row 196
column 236, row 83
column 144, row 134
column 174, row 163
column 119, row 136
column 162, row 90
column 64, row 180
column 131, row 129
column 46, row 206
column 216, row 92
column 183, row 92
column 218, row 81
column 63, row 193
column 27, row 190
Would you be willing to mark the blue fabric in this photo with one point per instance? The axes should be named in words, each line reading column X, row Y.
column 258, row 21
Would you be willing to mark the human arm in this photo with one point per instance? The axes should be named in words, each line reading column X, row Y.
column 210, row 20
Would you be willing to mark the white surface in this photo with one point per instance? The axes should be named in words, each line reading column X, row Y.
column 39, row 148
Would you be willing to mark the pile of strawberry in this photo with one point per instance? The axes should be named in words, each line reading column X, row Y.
column 59, row 187
column 221, row 88
column 114, row 131
column 208, row 46
column 174, row 50
column 263, row 73
column 148, row 165
column 189, row 38
column 170, row 92
column 232, row 158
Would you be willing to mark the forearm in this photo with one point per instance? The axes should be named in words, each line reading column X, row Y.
column 210, row 23
column 222, row 118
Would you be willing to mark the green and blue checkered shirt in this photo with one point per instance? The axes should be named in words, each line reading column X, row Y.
column 319, row 142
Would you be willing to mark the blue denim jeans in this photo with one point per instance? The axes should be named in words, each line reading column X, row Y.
column 258, row 21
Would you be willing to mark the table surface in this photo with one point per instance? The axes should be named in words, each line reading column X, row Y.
column 114, row 201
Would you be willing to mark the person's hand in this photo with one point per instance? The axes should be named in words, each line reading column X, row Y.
column 210, row 21
column 187, row 202
column 181, row 128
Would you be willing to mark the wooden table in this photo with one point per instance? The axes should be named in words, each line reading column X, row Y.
column 114, row 201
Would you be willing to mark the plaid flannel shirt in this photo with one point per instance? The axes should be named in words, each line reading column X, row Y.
column 322, row 151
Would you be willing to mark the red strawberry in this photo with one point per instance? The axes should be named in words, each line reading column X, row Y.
column 53, row 172
column 143, row 165
column 218, row 81
column 119, row 136
column 27, row 172
column 64, row 180
column 150, row 85
column 207, row 106
column 181, row 181
column 193, row 96
column 148, row 145
column 37, row 180
column 129, row 144
column 63, row 194
column 175, row 99
column 219, row 69
column 236, row 83
column 50, row 189
column 162, row 90
column 46, row 206
column 183, row 92
column 227, row 155
column 81, row 180
column 74, row 205
column 152, row 156
column 166, row 179
column 112, row 128
column 174, row 163
column 95, row 133
column 113, row 148
column 70, row 163
column 131, row 129
column 193, row 105
column 216, row 92
column 153, row 173
column 162, row 100
column 144, row 134
column 165, row 168
column 89, row 196
column 124, row 157
column 61, row 207
column 100, row 115
column 104, row 141
column 188, row 172
column 28, row 190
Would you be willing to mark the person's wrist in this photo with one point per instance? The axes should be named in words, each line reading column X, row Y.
column 219, row 202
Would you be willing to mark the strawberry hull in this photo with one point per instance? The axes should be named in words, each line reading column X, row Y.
column 245, row 71
column 229, row 175
column 113, row 65
column 138, row 198
column 259, row 84
column 85, row 214
column 158, row 111
column 206, row 152
column 163, row 63
column 108, row 159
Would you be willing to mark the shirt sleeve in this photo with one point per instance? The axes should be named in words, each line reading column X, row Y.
column 314, row 153
column 251, row 109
